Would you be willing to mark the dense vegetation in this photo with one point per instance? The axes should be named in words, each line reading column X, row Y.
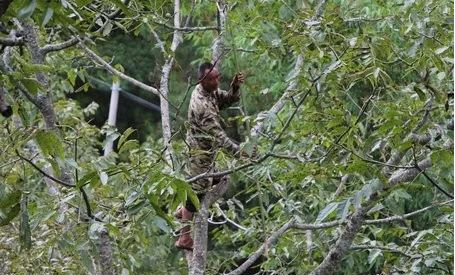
column 350, row 104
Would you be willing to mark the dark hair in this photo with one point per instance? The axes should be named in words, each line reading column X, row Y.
column 202, row 68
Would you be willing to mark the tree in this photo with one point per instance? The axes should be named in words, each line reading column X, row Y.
column 350, row 104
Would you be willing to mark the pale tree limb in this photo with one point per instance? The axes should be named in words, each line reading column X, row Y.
column 219, row 43
column 342, row 245
column 406, row 175
column 201, row 227
column 187, row 29
column 164, row 85
column 292, row 81
column 97, row 59
column 45, row 106
column 268, row 242
column 263, row 117
column 353, row 225
column 11, row 41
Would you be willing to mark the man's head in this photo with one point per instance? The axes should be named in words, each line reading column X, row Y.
column 209, row 77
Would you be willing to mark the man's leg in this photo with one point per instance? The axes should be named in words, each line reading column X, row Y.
column 185, row 241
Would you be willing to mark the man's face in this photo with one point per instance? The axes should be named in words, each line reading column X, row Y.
column 212, row 80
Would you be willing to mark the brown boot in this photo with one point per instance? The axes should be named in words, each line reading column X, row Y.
column 185, row 241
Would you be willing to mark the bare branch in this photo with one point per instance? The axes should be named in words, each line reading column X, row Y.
column 44, row 173
column 187, row 29
column 269, row 242
column 16, row 41
column 93, row 56
column 60, row 46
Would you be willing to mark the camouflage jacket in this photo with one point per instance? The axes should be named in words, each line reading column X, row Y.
column 205, row 133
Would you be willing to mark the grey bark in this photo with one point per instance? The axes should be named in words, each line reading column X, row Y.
column 164, row 85
column 337, row 252
column 200, row 227
column 219, row 43
column 104, row 246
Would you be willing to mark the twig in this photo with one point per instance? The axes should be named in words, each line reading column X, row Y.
column 44, row 173
column 416, row 166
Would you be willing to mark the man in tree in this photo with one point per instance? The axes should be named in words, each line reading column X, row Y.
column 205, row 136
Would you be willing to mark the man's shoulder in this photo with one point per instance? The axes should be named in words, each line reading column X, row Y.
column 197, row 95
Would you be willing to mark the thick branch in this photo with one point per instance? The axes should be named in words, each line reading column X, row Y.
column 269, row 242
column 105, row 250
column 16, row 41
column 401, row 176
column 343, row 243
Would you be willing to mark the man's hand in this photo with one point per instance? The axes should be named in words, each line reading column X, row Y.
column 238, row 80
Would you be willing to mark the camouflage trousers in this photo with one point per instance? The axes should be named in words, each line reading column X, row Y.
column 199, row 165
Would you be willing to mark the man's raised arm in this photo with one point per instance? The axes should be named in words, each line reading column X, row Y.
column 226, row 98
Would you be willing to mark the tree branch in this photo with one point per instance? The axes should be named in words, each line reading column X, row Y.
column 291, row 224
column 60, row 46
column 187, row 29
column 44, row 173
column 265, row 246
column 97, row 59
column 16, row 41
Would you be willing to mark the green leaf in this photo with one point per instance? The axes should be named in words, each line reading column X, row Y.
column 6, row 215
column 442, row 157
column 343, row 209
column 72, row 75
column 47, row 16
column 374, row 253
column 326, row 211
column 9, row 198
column 31, row 84
column 441, row 50
column 50, row 144
column 153, row 200
column 87, row 178
column 124, row 137
column 122, row 6
column 129, row 145
column 420, row 92
column 103, row 177
column 28, row 10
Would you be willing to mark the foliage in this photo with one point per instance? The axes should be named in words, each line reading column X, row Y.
column 374, row 73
